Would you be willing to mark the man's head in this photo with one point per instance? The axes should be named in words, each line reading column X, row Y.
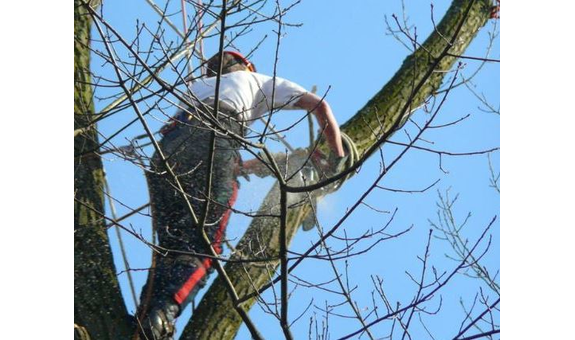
column 232, row 61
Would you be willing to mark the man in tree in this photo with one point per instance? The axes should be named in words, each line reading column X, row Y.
column 244, row 96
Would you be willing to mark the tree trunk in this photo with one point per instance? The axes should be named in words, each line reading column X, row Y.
column 215, row 317
column 99, row 310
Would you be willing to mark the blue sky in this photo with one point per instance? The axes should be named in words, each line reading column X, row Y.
column 344, row 47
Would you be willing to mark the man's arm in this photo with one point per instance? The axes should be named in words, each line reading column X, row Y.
column 322, row 111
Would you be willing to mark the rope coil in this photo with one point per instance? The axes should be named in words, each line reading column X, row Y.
column 352, row 156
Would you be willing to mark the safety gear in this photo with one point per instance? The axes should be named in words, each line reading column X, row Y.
column 248, row 63
column 177, row 277
column 328, row 165
column 159, row 323
column 337, row 164
column 232, row 61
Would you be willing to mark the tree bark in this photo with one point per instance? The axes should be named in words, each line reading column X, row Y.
column 99, row 310
column 215, row 317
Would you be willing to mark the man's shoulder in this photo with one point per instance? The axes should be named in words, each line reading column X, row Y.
column 262, row 81
column 248, row 75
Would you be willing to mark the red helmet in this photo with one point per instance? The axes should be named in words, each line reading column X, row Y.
column 248, row 63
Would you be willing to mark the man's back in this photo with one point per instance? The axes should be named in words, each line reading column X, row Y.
column 248, row 93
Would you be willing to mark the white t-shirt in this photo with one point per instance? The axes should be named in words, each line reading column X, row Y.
column 248, row 93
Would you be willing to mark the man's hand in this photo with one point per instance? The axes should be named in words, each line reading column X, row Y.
column 337, row 163
column 329, row 165
column 255, row 167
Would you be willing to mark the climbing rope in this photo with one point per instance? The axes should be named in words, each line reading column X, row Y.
column 352, row 155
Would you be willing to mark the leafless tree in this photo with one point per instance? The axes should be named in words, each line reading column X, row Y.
column 150, row 74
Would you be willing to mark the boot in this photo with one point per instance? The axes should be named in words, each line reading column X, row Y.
column 159, row 323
